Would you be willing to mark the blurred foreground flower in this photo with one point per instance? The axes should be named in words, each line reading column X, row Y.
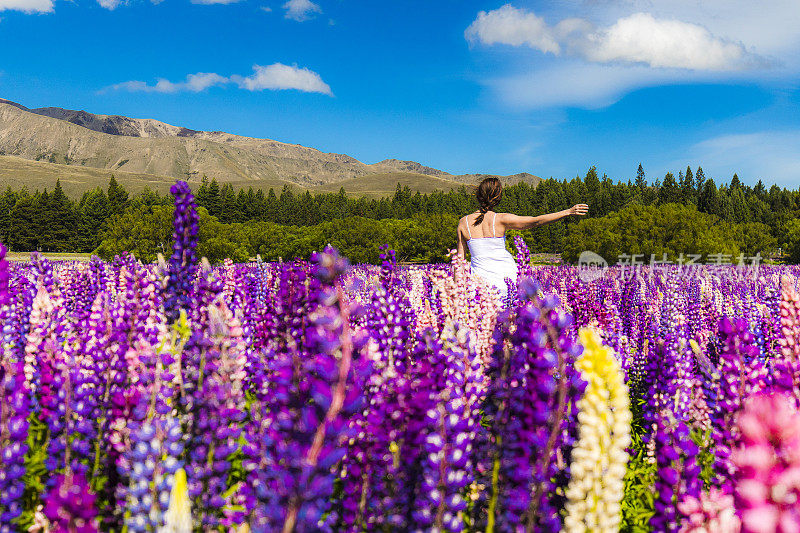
column 69, row 506
column 768, row 465
column 713, row 512
column 178, row 518
column 599, row 458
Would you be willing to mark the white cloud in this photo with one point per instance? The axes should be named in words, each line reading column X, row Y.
column 27, row 6
column 109, row 4
column 275, row 77
column 575, row 84
column 771, row 156
column 211, row 2
column 301, row 10
column 768, row 27
column 509, row 25
column 194, row 83
column 203, row 80
column 279, row 76
column 266, row 9
column 639, row 38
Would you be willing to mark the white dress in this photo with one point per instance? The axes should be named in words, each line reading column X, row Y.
column 491, row 261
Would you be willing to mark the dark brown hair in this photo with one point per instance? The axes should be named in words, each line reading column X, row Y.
column 488, row 194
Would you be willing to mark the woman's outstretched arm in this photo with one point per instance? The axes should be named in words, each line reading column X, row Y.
column 511, row 221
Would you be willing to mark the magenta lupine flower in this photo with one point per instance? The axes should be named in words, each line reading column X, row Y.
column 523, row 258
column 5, row 297
column 69, row 505
column 767, row 482
column 786, row 364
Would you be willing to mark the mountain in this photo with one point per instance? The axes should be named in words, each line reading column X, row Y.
column 154, row 153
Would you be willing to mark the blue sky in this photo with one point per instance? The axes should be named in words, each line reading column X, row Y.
column 549, row 88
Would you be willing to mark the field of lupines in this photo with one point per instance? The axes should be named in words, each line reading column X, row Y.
column 315, row 396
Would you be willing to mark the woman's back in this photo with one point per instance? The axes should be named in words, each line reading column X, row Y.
column 488, row 227
column 489, row 258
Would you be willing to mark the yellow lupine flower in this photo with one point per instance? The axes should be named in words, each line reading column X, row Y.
column 599, row 458
column 178, row 518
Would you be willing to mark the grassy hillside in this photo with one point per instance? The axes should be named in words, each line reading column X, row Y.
column 384, row 184
column 17, row 172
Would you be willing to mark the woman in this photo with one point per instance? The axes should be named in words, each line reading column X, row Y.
column 483, row 232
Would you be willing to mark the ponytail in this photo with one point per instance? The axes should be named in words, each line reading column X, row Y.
column 488, row 195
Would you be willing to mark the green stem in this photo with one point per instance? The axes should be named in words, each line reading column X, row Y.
column 495, row 488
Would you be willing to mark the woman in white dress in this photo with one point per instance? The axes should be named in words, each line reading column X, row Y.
column 483, row 233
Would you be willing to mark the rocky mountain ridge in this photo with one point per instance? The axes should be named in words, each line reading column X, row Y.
column 148, row 146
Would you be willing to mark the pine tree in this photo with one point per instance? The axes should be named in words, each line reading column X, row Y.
column 592, row 188
column 686, row 184
column 759, row 190
column 271, row 212
column 699, row 180
column 117, row 196
column 709, row 201
column 60, row 221
column 26, row 224
column 201, row 196
column 670, row 191
column 227, row 204
column 94, row 212
column 641, row 181
column 739, row 207
column 286, row 207
column 214, row 199
column 7, row 202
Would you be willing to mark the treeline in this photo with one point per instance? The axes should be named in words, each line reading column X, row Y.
column 146, row 230
column 51, row 221
column 664, row 232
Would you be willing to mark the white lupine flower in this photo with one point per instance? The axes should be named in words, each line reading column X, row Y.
column 599, row 458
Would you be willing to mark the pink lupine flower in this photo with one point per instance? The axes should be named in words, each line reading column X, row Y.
column 767, row 464
column 713, row 512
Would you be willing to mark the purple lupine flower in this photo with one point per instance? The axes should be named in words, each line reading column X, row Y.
column 530, row 398
column 14, row 411
column 389, row 346
column 678, row 473
column 452, row 423
column 156, row 448
column 43, row 272
column 741, row 373
column 15, row 317
column 523, row 258
column 293, row 451
column 183, row 261
column 214, row 410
